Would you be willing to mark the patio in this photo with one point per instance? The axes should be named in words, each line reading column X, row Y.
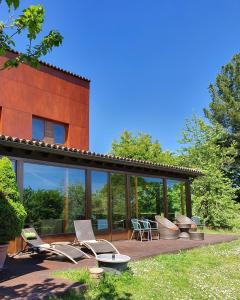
column 31, row 278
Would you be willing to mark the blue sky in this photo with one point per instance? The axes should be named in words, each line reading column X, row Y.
column 150, row 62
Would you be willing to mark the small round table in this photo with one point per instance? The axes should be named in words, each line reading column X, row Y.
column 184, row 228
column 113, row 261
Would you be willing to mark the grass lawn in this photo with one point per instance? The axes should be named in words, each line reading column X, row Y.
column 211, row 272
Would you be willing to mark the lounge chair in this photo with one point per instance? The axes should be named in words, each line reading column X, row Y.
column 85, row 237
column 35, row 244
column 185, row 220
column 167, row 229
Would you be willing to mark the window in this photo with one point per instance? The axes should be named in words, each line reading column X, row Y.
column 99, row 200
column 118, row 198
column 37, row 129
column 176, row 198
column 59, row 134
column 48, row 131
column 53, row 197
column 146, row 195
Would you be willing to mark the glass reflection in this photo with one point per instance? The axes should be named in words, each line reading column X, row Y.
column 146, row 197
column 53, row 197
column 59, row 133
column 99, row 185
column 37, row 129
column 176, row 198
column 75, row 200
column 118, row 193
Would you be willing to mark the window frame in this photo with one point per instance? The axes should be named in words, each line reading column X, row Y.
column 49, row 130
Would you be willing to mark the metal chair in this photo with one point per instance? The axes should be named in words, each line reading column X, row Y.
column 146, row 228
column 198, row 221
column 153, row 227
column 137, row 228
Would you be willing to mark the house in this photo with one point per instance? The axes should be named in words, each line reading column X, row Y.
column 44, row 128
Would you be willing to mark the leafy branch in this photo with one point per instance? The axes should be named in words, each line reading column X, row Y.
column 30, row 21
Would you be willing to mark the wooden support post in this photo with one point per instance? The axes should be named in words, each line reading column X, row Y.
column 165, row 198
column 66, row 201
column 128, row 204
column 188, row 198
column 136, row 195
column 183, row 207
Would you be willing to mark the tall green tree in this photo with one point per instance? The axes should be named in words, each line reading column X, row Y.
column 29, row 23
column 224, row 109
column 141, row 147
column 213, row 194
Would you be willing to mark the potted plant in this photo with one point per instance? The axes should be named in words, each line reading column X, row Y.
column 12, row 212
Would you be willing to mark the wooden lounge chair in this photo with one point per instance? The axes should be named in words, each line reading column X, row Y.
column 185, row 220
column 35, row 244
column 85, row 237
column 167, row 229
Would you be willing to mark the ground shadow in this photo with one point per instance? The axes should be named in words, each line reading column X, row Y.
column 36, row 291
column 17, row 267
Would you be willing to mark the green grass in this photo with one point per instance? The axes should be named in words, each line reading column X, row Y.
column 220, row 230
column 211, row 272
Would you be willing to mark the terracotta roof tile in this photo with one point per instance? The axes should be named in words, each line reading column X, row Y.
column 107, row 157
column 55, row 67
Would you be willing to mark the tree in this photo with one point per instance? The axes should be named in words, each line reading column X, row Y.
column 213, row 194
column 30, row 21
column 224, row 109
column 12, row 212
column 141, row 147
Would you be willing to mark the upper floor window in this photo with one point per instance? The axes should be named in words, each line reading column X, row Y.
column 48, row 131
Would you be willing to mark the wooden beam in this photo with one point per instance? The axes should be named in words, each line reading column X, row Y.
column 188, row 198
column 165, row 198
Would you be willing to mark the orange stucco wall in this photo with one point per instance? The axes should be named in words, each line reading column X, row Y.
column 46, row 93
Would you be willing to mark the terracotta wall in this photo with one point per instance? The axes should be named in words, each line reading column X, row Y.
column 46, row 93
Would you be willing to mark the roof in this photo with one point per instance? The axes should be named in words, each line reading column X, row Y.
column 55, row 67
column 88, row 155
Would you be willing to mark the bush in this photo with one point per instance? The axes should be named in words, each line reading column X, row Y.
column 12, row 212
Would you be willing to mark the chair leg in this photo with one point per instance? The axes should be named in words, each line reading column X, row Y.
column 141, row 234
column 132, row 235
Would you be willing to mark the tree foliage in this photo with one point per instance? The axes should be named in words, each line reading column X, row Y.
column 141, row 147
column 213, row 194
column 30, row 21
column 12, row 212
column 224, row 109
column 42, row 205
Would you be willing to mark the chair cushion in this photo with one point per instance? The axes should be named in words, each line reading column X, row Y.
column 30, row 235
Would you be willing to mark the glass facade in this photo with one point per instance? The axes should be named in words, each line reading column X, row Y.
column 53, row 197
column 99, row 190
column 118, row 199
column 176, row 198
column 146, row 196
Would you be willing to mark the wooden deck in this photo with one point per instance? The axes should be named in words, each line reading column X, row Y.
column 30, row 278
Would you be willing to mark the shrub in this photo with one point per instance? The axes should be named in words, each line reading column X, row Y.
column 12, row 212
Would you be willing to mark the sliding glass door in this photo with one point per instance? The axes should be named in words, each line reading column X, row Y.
column 118, row 201
column 108, row 201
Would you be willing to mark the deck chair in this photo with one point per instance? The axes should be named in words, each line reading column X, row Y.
column 85, row 237
column 35, row 244
column 186, row 220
